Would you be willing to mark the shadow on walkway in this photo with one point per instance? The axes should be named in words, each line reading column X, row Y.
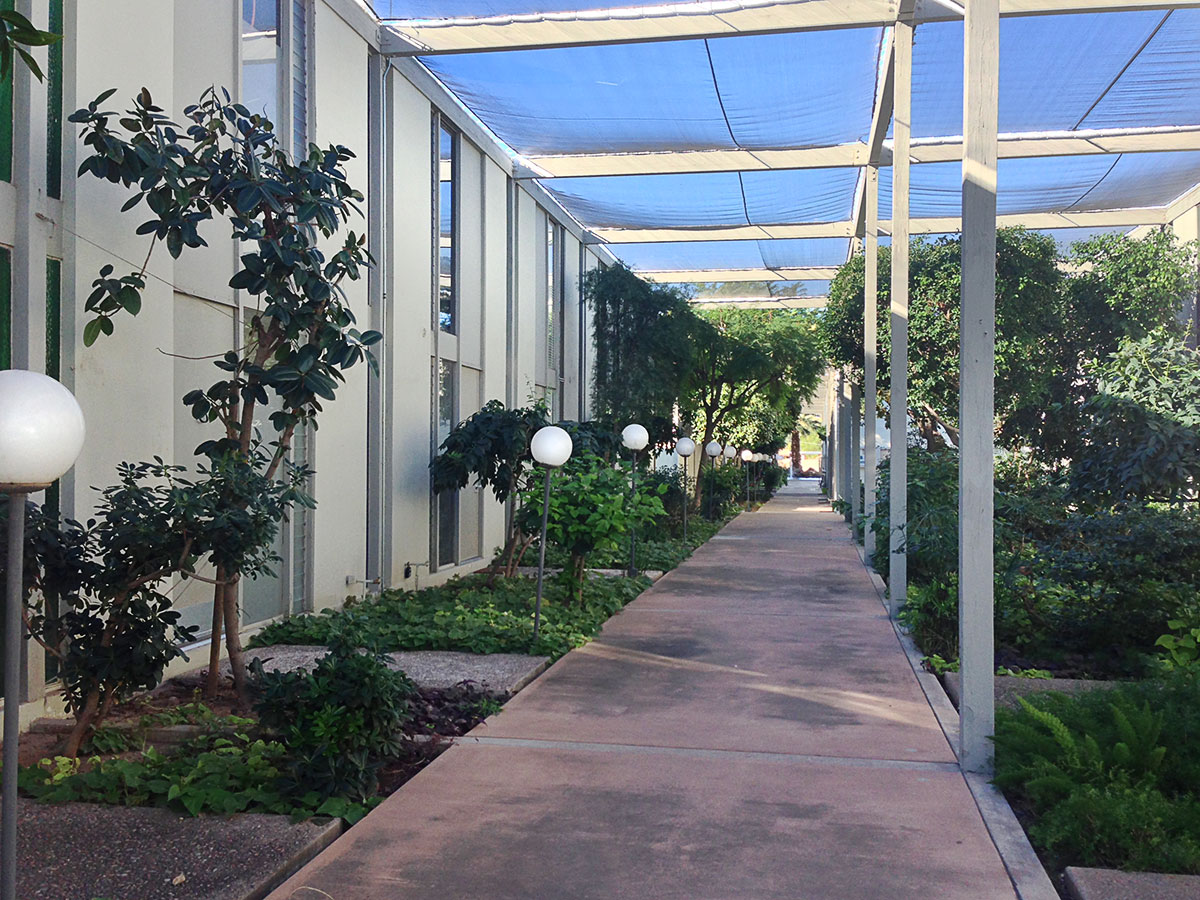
column 748, row 728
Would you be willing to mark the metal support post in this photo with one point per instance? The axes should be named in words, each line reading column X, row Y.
column 870, row 341
column 898, row 477
column 977, row 362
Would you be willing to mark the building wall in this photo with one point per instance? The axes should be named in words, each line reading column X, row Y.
column 130, row 384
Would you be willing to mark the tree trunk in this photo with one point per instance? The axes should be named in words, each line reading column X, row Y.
column 212, row 684
column 83, row 724
column 233, row 640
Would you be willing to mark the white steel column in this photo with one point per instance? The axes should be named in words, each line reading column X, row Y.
column 870, row 340
column 32, row 214
column 977, row 357
column 898, row 405
column 853, row 446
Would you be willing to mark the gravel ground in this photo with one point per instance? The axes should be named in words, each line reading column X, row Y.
column 499, row 673
column 81, row 851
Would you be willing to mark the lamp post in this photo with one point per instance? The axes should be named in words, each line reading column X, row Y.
column 634, row 437
column 41, row 434
column 551, row 447
column 685, row 447
column 712, row 450
column 746, row 457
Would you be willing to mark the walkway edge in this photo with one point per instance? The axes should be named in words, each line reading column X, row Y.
column 1029, row 877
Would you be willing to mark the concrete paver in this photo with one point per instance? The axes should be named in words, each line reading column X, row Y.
column 747, row 728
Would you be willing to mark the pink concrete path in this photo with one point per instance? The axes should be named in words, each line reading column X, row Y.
column 748, row 728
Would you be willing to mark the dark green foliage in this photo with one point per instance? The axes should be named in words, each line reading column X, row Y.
column 1143, row 436
column 1051, row 327
column 219, row 774
column 467, row 614
column 96, row 599
column 492, row 446
column 1079, row 592
column 339, row 722
column 591, row 508
column 16, row 30
column 752, row 372
column 721, row 489
column 642, row 335
column 227, row 165
column 1110, row 775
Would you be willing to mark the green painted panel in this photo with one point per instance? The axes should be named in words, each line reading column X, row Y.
column 54, row 105
column 6, row 117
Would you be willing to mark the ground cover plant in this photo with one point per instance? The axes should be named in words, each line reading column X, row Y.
column 1108, row 778
column 331, row 742
column 467, row 614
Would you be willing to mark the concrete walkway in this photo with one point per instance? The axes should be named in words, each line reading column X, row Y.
column 748, row 728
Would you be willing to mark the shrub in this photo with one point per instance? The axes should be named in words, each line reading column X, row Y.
column 1109, row 775
column 339, row 721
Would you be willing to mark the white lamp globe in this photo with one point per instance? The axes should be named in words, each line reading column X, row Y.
column 685, row 447
column 730, row 451
column 747, row 456
column 712, row 449
column 551, row 446
column 635, row 437
column 41, row 430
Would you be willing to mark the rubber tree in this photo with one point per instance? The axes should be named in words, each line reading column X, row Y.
column 226, row 165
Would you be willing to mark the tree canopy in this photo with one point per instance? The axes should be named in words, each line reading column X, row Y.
column 1057, row 315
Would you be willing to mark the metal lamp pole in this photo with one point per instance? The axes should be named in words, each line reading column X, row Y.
column 746, row 457
column 712, row 450
column 41, row 434
column 551, row 447
column 685, row 447
column 635, row 437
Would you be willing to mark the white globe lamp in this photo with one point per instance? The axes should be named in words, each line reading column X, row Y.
column 712, row 449
column 41, row 434
column 747, row 456
column 685, row 447
column 730, row 451
column 551, row 446
column 635, row 437
column 41, row 431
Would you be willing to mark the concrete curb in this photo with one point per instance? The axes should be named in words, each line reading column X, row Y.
column 1029, row 877
column 292, row 864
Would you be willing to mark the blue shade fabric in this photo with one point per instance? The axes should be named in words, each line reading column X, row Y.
column 478, row 9
column 1161, row 86
column 785, row 254
column 749, row 92
column 722, row 198
column 1057, row 73
column 1056, row 184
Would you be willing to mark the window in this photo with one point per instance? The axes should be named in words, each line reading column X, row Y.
column 555, row 313
column 261, row 41
column 275, row 45
column 447, row 216
column 447, row 501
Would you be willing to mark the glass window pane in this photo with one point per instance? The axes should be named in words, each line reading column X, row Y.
column 260, row 57
column 448, row 219
column 447, row 501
